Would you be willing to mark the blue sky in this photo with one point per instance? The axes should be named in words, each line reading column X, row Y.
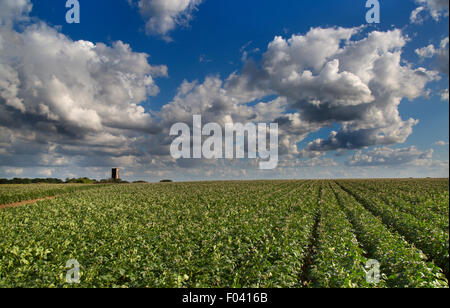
column 211, row 43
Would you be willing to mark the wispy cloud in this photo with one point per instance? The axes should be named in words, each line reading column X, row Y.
column 436, row 8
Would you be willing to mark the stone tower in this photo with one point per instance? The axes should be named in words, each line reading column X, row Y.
column 115, row 174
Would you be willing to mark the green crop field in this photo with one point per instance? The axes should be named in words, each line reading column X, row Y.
column 229, row 234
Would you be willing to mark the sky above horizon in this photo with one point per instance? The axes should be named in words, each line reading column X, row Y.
column 352, row 99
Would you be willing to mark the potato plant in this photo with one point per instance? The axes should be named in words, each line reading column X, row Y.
column 256, row 234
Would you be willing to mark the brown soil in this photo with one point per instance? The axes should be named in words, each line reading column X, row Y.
column 4, row 206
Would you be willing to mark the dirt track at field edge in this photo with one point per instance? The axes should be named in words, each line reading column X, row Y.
column 16, row 204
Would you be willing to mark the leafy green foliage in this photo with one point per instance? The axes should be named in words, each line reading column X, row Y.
column 217, row 234
column 339, row 260
column 430, row 235
column 403, row 265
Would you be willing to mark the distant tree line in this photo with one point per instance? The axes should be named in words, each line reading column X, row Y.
column 71, row 181
column 59, row 181
column 31, row 181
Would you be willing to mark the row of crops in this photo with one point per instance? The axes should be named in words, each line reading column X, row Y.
column 232, row 234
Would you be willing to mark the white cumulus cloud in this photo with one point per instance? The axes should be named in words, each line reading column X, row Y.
column 74, row 98
column 330, row 78
column 441, row 53
column 163, row 16
column 436, row 8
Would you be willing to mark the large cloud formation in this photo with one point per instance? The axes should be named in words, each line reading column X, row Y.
column 70, row 94
column 329, row 78
column 323, row 77
column 76, row 103
column 163, row 16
